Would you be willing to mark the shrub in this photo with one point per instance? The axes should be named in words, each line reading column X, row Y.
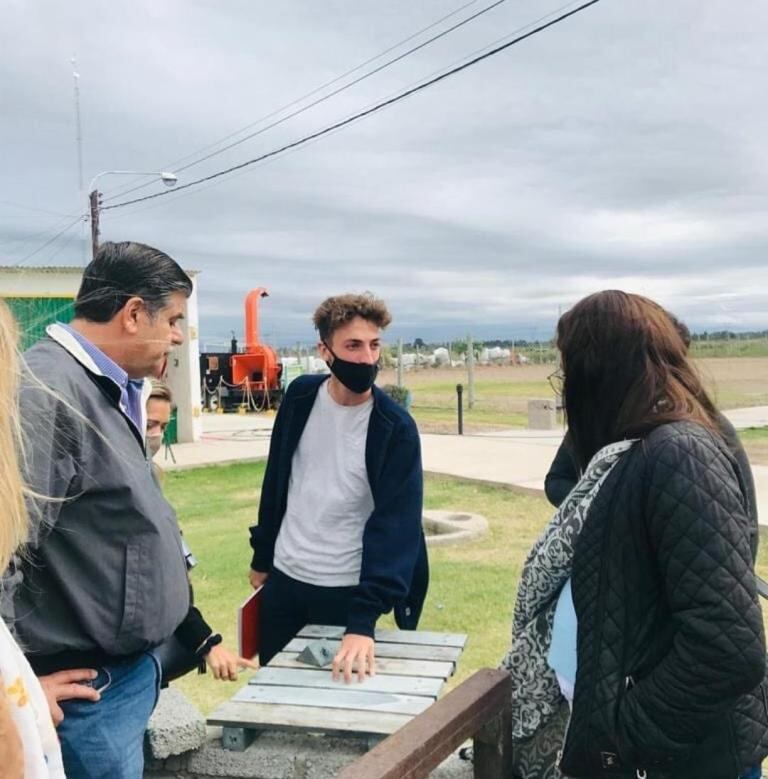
column 400, row 395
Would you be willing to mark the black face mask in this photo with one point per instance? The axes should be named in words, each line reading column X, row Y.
column 357, row 377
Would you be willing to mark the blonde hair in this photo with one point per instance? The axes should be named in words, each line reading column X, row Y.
column 14, row 522
column 160, row 391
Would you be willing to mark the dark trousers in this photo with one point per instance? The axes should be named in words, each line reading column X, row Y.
column 287, row 605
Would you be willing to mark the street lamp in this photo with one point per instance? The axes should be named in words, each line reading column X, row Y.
column 169, row 179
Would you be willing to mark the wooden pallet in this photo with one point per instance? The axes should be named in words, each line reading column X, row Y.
column 411, row 670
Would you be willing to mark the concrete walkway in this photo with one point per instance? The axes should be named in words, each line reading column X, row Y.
column 515, row 457
column 227, row 438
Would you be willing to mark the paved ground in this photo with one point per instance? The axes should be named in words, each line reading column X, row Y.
column 227, row 438
column 516, row 457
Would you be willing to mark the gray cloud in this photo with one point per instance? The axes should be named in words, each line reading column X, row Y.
column 622, row 148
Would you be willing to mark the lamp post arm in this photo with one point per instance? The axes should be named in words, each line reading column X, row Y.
column 160, row 173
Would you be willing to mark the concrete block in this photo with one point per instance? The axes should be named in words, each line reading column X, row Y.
column 237, row 739
column 176, row 726
column 318, row 653
column 542, row 414
column 452, row 527
column 278, row 756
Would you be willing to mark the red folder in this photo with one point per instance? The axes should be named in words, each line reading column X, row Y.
column 248, row 625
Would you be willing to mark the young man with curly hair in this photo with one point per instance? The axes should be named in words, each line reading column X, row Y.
column 339, row 539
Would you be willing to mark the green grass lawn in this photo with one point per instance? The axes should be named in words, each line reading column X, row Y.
column 754, row 434
column 437, row 419
column 472, row 585
column 755, row 440
column 499, row 403
column 731, row 347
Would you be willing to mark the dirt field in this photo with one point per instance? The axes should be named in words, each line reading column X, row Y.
column 502, row 392
column 736, row 382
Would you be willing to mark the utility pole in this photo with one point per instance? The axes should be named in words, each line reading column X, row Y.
column 470, row 372
column 94, row 196
column 94, row 199
column 399, row 362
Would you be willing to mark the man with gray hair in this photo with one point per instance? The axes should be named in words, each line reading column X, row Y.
column 104, row 580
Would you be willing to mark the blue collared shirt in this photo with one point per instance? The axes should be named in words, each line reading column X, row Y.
column 130, row 389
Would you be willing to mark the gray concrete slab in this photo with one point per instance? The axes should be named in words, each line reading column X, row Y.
column 227, row 438
column 520, row 461
column 279, row 756
column 176, row 726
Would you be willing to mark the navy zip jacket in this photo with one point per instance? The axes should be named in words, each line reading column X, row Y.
column 394, row 571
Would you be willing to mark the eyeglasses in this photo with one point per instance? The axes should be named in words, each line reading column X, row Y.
column 556, row 380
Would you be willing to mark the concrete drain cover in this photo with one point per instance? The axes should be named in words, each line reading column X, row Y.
column 452, row 527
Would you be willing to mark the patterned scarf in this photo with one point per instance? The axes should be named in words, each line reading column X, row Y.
column 535, row 692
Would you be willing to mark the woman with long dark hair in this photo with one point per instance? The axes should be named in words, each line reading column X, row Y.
column 638, row 644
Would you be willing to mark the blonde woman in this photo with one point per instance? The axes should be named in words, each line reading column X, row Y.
column 29, row 748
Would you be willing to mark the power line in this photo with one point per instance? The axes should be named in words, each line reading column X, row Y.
column 335, row 92
column 309, row 94
column 488, row 46
column 24, row 207
column 362, row 114
column 328, row 96
column 25, row 239
column 49, row 241
column 64, row 244
column 210, row 185
column 139, row 208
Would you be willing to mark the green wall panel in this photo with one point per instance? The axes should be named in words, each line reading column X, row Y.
column 35, row 314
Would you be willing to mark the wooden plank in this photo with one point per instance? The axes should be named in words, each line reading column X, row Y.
column 384, row 666
column 400, row 651
column 425, row 637
column 306, row 678
column 421, row 745
column 304, row 718
column 347, row 698
column 492, row 758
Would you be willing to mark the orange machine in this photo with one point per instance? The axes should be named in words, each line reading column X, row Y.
column 257, row 369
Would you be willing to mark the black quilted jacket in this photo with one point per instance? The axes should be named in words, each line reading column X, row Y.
column 671, row 651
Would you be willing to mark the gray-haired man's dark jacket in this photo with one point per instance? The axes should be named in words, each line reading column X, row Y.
column 106, row 575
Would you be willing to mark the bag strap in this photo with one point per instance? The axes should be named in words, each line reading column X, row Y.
column 762, row 587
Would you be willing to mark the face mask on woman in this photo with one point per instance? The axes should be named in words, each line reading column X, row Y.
column 154, row 442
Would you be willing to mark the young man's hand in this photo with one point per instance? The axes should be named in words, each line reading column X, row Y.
column 225, row 664
column 355, row 652
column 65, row 686
column 257, row 578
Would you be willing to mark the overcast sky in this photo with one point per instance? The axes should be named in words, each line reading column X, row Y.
column 626, row 147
